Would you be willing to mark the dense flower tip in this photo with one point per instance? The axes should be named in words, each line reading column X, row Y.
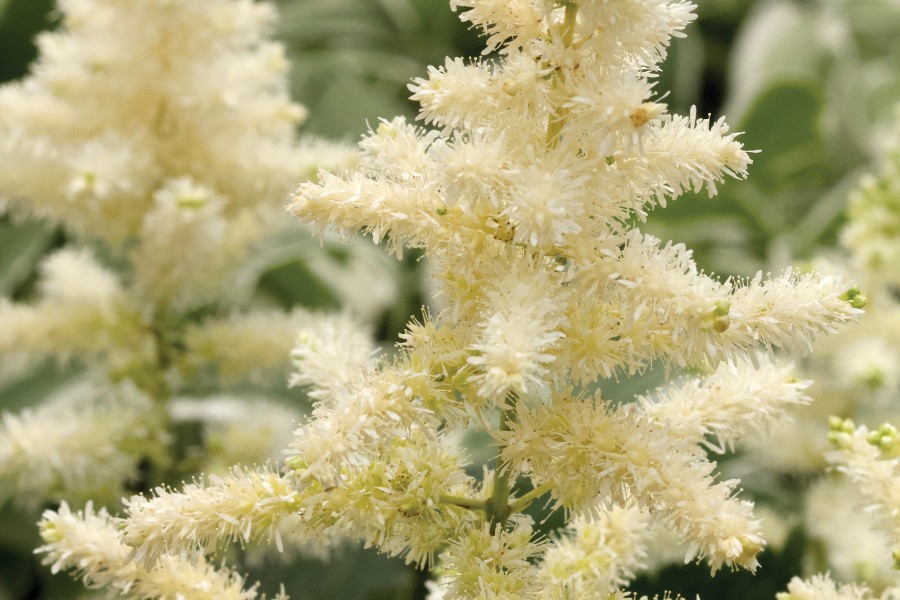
column 245, row 504
column 822, row 587
column 594, row 557
column 855, row 297
column 88, row 543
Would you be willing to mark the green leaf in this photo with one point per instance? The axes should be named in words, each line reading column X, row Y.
column 16, row 574
column 34, row 385
column 293, row 283
column 353, row 574
column 783, row 124
column 349, row 106
column 19, row 529
column 21, row 246
column 293, row 268
column 20, row 20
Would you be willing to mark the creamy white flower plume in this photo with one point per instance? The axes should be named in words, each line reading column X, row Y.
column 125, row 96
column 727, row 405
column 486, row 564
column 253, row 345
column 88, row 543
column 242, row 505
column 87, row 442
column 821, row 587
column 520, row 328
column 870, row 459
column 524, row 199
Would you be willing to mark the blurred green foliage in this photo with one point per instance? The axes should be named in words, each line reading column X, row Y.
column 353, row 58
column 812, row 84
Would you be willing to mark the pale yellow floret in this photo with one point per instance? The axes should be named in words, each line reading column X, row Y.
column 594, row 557
column 401, row 503
column 482, row 564
column 508, row 24
column 584, row 449
column 519, row 328
column 355, row 431
column 734, row 401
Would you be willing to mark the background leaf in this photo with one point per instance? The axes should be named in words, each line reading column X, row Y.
column 21, row 247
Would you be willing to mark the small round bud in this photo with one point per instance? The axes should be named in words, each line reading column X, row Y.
column 721, row 324
column 295, row 463
column 855, row 297
column 722, row 307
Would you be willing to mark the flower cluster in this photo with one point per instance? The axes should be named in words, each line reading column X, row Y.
column 88, row 543
column 139, row 113
column 85, row 443
column 525, row 199
column 873, row 233
column 870, row 460
column 160, row 136
column 821, row 587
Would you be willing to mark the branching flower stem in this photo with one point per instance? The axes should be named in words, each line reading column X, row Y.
column 470, row 503
column 525, row 501
column 498, row 509
column 558, row 118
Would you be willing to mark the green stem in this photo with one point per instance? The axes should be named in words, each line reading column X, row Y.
column 163, row 361
column 558, row 118
column 569, row 23
column 525, row 501
column 470, row 503
column 498, row 509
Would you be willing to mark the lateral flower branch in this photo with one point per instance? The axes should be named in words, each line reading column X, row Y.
column 524, row 198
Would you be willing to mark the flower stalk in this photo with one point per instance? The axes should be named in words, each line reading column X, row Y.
column 498, row 509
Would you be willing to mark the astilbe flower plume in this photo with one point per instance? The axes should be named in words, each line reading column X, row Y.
column 525, row 198
column 160, row 136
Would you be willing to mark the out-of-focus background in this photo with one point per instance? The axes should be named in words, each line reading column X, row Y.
column 813, row 83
